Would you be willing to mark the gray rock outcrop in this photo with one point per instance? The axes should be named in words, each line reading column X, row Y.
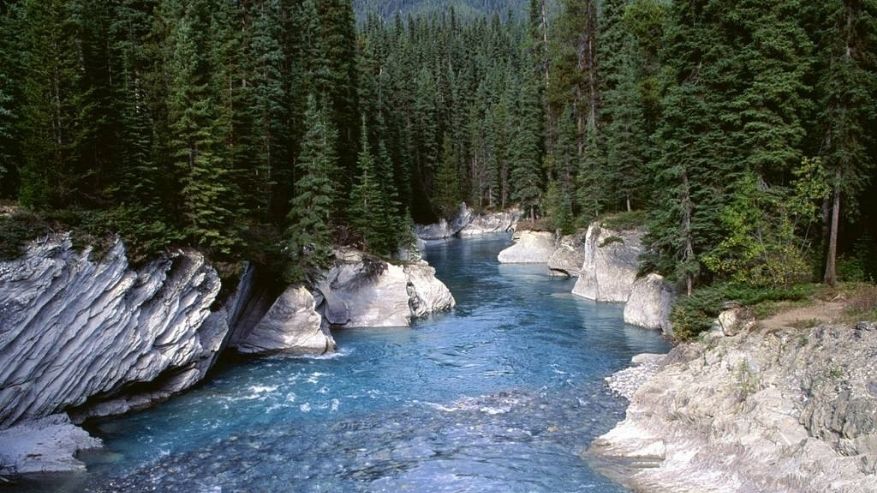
column 44, row 445
column 75, row 331
column 783, row 410
column 493, row 222
column 445, row 229
column 611, row 264
column 361, row 291
column 569, row 256
column 530, row 247
column 291, row 325
column 650, row 303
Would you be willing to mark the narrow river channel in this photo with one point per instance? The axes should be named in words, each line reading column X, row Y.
column 500, row 395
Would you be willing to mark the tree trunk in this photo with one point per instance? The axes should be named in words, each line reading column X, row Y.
column 831, row 257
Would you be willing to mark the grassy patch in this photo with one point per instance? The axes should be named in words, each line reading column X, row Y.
column 861, row 302
column 624, row 221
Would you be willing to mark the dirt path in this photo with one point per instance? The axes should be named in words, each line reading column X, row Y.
column 819, row 311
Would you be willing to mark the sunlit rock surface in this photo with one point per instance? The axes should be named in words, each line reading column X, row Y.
column 611, row 264
column 291, row 325
column 530, row 247
column 789, row 410
column 650, row 303
column 72, row 328
column 362, row 291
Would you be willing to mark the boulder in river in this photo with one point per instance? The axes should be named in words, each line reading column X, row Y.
column 650, row 303
column 530, row 247
column 611, row 264
column 291, row 325
column 363, row 291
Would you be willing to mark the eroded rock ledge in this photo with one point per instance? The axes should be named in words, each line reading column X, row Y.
column 787, row 410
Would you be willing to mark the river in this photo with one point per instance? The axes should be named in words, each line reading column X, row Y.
column 503, row 394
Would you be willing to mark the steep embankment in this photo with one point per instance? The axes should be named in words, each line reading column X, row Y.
column 99, row 337
column 781, row 410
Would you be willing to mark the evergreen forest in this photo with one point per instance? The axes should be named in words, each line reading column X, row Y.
column 740, row 133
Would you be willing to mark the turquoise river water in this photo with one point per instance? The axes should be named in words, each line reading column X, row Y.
column 501, row 395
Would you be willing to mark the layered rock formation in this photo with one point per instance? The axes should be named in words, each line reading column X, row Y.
column 569, row 256
column 785, row 410
column 360, row 291
column 650, row 303
column 75, row 331
column 611, row 264
column 530, row 247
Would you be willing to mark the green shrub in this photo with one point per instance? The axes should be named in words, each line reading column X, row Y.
column 610, row 240
column 695, row 314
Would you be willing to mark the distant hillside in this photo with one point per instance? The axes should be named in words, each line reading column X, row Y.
column 464, row 8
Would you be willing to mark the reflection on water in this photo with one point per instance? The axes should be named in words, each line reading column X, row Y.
column 502, row 394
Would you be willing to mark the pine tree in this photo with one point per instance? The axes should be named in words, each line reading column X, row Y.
column 58, row 115
column 848, row 88
column 309, row 234
column 447, row 185
column 526, row 166
column 368, row 204
column 209, row 196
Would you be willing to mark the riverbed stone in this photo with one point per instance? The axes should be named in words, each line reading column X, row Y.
column 530, row 247
column 45, row 445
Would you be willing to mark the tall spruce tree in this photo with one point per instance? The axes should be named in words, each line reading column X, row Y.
column 308, row 238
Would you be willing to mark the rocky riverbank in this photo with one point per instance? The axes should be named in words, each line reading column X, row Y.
column 89, row 337
column 780, row 410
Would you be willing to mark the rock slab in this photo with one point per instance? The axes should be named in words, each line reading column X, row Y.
column 445, row 229
column 530, row 247
column 611, row 264
column 569, row 256
column 73, row 329
column 490, row 223
column 650, row 303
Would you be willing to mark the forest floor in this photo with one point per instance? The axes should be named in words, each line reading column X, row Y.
column 846, row 303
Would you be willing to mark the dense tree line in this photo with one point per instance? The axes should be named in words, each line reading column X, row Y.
column 271, row 129
column 744, row 129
